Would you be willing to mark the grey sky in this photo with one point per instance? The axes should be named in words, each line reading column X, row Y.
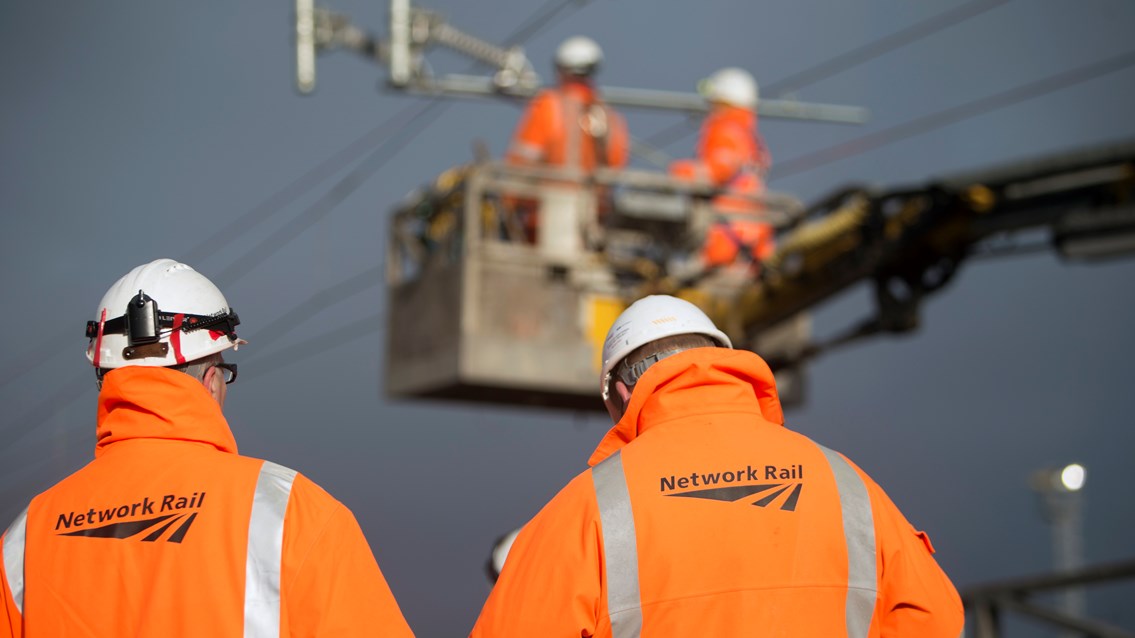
column 132, row 131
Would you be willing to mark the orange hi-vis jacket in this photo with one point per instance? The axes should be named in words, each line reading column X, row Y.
column 168, row 532
column 703, row 516
column 570, row 126
column 731, row 155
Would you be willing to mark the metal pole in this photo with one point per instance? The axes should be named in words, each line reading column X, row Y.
column 305, row 46
column 399, row 42
column 1066, row 516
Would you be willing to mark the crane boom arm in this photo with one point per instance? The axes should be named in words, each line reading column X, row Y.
column 910, row 242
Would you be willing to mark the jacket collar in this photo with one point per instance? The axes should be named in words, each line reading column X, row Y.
column 697, row 381
column 733, row 114
column 581, row 90
column 158, row 403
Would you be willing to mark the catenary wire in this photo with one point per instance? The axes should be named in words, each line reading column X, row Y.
column 952, row 115
column 401, row 126
column 538, row 21
column 407, row 131
column 903, row 131
column 882, row 46
column 420, row 116
column 865, row 53
column 542, row 19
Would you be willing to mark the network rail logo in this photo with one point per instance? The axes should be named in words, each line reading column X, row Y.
column 785, row 492
column 169, row 512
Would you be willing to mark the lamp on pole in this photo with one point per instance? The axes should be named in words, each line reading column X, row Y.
column 1061, row 497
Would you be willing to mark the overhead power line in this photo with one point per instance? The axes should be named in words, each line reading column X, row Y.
column 294, row 190
column 318, row 302
column 872, row 50
column 342, row 158
column 51, row 347
column 405, row 133
column 674, row 132
column 59, row 399
column 407, row 130
column 542, row 18
column 952, row 115
column 319, row 343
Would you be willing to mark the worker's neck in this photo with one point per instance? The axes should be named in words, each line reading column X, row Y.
column 572, row 81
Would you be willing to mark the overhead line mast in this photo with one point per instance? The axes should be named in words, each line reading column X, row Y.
column 413, row 30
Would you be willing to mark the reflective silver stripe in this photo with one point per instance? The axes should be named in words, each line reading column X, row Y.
column 265, row 551
column 573, row 129
column 526, row 151
column 620, row 551
column 14, row 557
column 859, row 534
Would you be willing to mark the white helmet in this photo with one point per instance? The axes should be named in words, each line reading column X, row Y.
column 578, row 56
column 732, row 86
column 649, row 319
column 162, row 313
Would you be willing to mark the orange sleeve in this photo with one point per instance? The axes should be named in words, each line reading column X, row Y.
column 331, row 583
column 533, row 134
column 724, row 151
column 550, row 584
column 11, row 622
column 916, row 596
column 618, row 140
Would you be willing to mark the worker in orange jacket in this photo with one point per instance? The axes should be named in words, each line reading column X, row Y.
column 168, row 531
column 702, row 515
column 568, row 126
column 732, row 157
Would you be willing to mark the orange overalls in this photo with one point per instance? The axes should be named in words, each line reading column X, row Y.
column 731, row 156
column 562, row 126
column 169, row 532
column 570, row 127
column 702, row 515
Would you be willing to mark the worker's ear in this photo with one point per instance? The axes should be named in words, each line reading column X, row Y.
column 214, row 382
column 617, row 401
column 624, row 393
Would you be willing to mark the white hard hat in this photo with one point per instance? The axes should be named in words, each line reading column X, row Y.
column 578, row 55
column 162, row 313
column 649, row 319
column 732, row 86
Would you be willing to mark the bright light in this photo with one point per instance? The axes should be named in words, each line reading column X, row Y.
column 1072, row 477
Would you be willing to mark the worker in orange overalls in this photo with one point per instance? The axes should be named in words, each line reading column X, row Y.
column 732, row 157
column 569, row 126
column 168, row 531
column 702, row 515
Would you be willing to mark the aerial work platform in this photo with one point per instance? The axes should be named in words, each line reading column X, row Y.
column 486, row 305
column 504, row 280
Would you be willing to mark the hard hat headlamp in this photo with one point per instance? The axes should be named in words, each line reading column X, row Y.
column 141, row 320
column 144, row 326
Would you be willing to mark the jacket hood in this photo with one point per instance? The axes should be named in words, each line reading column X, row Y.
column 158, row 403
column 697, row 381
